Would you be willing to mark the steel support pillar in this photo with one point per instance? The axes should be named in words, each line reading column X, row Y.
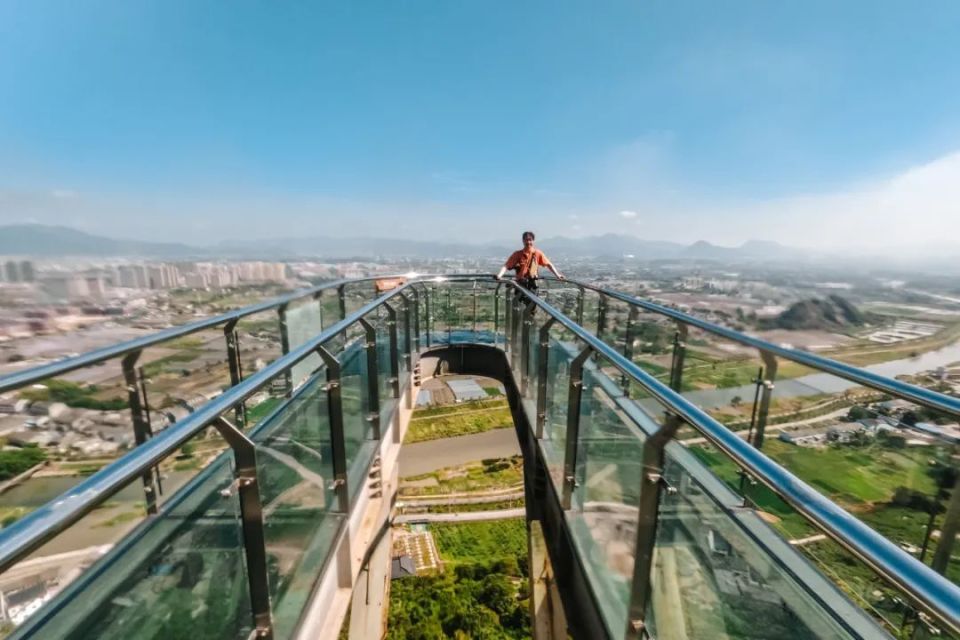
column 628, row 347
column 647, row 517
column 770, row 364
column 394, row 349
column 137, row 399
column 527, row 320
column 338, row 444
column 543, row 371
column 251, row 518
column 574, row 396
column 232, row 337
column 285, row 347
column 373, row 377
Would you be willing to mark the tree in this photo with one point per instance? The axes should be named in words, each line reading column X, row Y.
column 736, row 401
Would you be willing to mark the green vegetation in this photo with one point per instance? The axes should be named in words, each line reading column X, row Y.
column 480, row 506
column 493, row 391
column 168, row 363
column 258, row 412
column 482, row 595
column 494, row 540
column 13, row 462
column 494, row 473
column 458, row 420
column 72, row 395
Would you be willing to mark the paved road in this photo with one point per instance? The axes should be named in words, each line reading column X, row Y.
column 424, row 457
column 472, row 516
column 482, row 498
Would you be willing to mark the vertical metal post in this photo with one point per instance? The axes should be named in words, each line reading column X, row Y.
column 601, row 316
column 948, row 532
column 542, row 377
column 679, row 353
column 580, row 296
column 647, row 517
column 475, row 292
column 416, row 318
column 394, row 349
column 232, row 337
column 449, row 315
column 285, row 347
column 338, row 444
column 251, row 517
column 141, row 427
column 508, row 319
column 373, row 377
column 342, row 300
column 408, row 351
column 628, row 347
column 525, row 346
column 496, row 313
column 770, row 362
column 515, row 330
column 575, row 392
column 428, row 317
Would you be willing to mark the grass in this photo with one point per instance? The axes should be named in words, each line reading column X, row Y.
column 484, row 475
column 256, row 413
column 482, row 506
column 469, row 541
column 459, row 420
column 120, row 518
column 493, row 391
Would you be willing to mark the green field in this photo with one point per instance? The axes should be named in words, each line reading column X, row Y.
column 496, row 473
column 458, row 420
column 470, row 541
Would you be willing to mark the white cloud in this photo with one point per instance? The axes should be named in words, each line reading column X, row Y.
column 629, row 215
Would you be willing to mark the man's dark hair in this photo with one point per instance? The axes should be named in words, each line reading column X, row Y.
column 528, row 233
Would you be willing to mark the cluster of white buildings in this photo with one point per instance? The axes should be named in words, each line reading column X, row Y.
column 95, row 284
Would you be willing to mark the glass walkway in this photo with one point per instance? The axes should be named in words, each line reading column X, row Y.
column 662, row 461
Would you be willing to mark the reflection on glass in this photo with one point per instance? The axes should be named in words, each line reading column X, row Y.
column 295, row 469
column 182, row 576
column 604, row 511
column 711, row 580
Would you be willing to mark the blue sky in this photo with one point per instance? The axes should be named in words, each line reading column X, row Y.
column 795, row 121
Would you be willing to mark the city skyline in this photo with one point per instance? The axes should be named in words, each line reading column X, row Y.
column 815, row 126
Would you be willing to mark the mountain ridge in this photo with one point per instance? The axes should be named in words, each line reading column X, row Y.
column 49, row 241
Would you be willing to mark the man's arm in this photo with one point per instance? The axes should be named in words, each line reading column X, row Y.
column 509, row 264
column 549, row 265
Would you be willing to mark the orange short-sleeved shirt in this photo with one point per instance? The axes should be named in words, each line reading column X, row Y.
column 525, row 263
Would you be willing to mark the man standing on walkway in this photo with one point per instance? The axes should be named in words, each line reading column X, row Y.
column 527, row 261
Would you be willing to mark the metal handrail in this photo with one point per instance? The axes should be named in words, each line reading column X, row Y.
column 919, row 395
column 36, row 528
column 936, row 595
column 33, row 375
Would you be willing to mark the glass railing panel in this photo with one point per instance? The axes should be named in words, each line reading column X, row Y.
column 379, row 319
column 712, row 577
column 150, row 583
column 358, row 429
column 304, row 323
column 260, row 344
column 553, row 443
column 402, row 342
column 359, row 294
column 295, row 473
column 603, row 513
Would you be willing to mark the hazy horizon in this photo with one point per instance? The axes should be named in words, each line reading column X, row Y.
column 818, row 126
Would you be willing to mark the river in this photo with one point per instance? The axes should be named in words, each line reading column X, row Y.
column 820, row 383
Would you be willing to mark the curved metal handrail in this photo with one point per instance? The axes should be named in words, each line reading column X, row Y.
column 34, row 529
column 906, row 391
column 934, row 594
column 33, row 375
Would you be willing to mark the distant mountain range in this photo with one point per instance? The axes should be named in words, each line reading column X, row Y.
column 54, row 241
